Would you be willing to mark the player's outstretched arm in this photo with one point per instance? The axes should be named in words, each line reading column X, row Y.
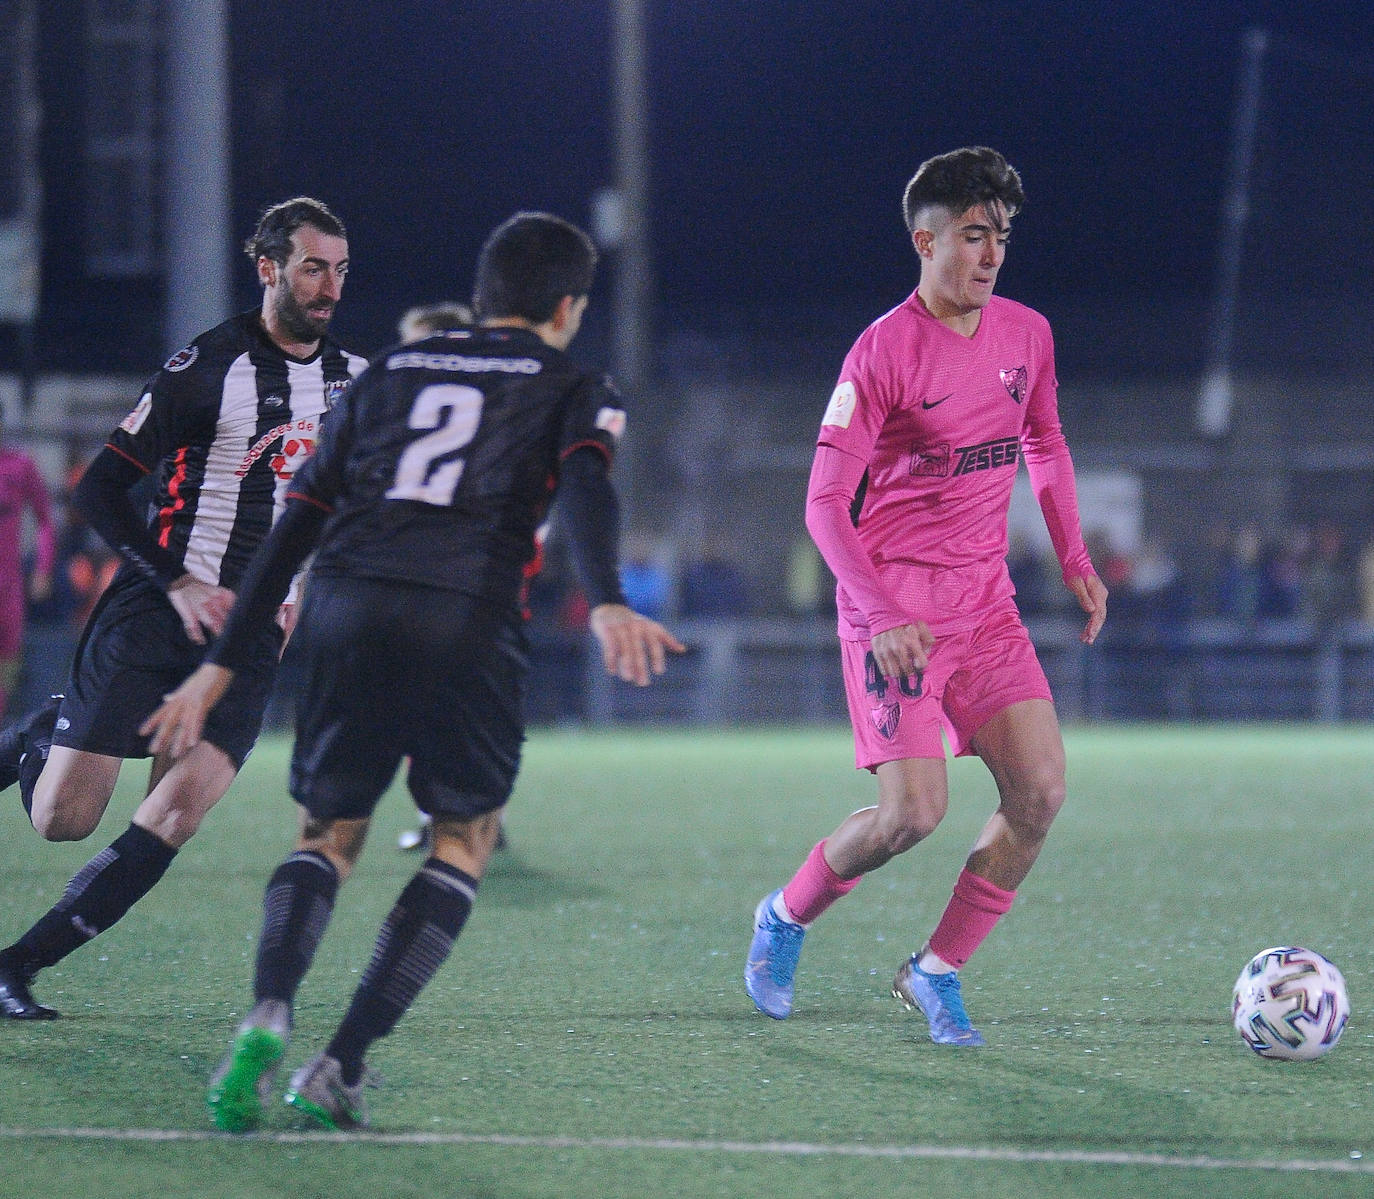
column 632, row 645
column 1091, row 594
column 177, row 723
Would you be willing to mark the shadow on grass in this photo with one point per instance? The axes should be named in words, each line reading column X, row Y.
column 511, row 882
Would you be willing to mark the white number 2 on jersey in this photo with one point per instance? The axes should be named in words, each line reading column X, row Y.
column 453, row 412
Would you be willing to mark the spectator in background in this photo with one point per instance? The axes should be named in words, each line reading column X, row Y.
column 83, row 565
column 1158, row 593
column 1364, row 583
column 713, row 586
column 21, row 488
column 1328, row 583
column 646, row 579
column 1204, row 562
column 1281, row 566
column 1116, row 563
column 1241, row 578
column 810, row 587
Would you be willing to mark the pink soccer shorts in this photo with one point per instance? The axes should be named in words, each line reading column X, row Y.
column 971, row 676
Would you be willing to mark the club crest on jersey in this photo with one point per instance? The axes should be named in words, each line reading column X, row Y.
column 333, row 389
column 840, row 410
column 297, row 444
column 1015, row 381
column 930, row 460
column 182, row 359
column 886, row 718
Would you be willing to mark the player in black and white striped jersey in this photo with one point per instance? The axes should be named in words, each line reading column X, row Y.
column 221, row 429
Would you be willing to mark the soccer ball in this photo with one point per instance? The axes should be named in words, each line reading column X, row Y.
column 1290, row 1003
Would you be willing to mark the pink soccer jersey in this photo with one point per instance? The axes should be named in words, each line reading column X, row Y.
column 21, row 486
column 929, row 427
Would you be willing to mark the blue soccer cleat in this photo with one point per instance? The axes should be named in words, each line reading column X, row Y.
column 773, row 955
column 938, row 998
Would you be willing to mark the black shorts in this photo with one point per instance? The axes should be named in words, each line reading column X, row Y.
column 396, row 669
column 133, row 651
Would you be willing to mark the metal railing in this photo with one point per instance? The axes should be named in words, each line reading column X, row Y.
column 780, row 671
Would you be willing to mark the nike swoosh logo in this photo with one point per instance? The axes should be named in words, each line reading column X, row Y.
column 929, row 404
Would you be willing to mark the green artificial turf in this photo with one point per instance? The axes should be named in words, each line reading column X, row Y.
column 590, row 1036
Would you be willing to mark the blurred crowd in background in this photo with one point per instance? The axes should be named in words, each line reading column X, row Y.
column 1308, row 573
column 1318, row 574
column 1314, row 574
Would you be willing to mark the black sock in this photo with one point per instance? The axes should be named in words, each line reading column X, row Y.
column 295, row 912
column 102, row 891
column 412, row 945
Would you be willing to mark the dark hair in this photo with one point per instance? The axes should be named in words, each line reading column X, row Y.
column 272, row 238
column 961, row 179
column 528, row 264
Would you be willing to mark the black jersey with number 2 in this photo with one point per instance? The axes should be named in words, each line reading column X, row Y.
column 440, row 461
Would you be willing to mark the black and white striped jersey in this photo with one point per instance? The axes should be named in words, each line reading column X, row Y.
column 222, row 427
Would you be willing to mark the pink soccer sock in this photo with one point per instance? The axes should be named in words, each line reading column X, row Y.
column 815, row 887
column 974, row 908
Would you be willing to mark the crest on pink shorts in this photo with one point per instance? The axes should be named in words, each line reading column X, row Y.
column 886, row 719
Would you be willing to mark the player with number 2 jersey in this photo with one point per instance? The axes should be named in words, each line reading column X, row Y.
column 424, row 495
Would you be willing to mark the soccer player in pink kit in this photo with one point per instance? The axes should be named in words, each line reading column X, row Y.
column 21, row 486
column 937, row 403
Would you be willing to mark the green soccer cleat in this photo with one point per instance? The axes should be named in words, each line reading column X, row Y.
column 242, row 1086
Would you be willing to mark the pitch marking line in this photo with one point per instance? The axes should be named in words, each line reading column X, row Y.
column 668, row 1144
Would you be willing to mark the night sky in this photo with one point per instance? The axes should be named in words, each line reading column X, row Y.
column 782, row 134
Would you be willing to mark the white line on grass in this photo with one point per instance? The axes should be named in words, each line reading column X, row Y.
column 668, row 1144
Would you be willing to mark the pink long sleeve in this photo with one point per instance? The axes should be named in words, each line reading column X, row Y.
column 835, row 478
column 1050, row 468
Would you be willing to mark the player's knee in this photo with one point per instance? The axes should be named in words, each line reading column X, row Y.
column 53, row 822
column 1037, row 806
column 910, row 825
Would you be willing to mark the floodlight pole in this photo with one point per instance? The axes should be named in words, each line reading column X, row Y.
column 197, row 214
column 1215, row 396
column 634, row 270
column 21, row 222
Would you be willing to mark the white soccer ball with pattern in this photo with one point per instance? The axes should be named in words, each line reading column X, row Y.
column 1290, row 1003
